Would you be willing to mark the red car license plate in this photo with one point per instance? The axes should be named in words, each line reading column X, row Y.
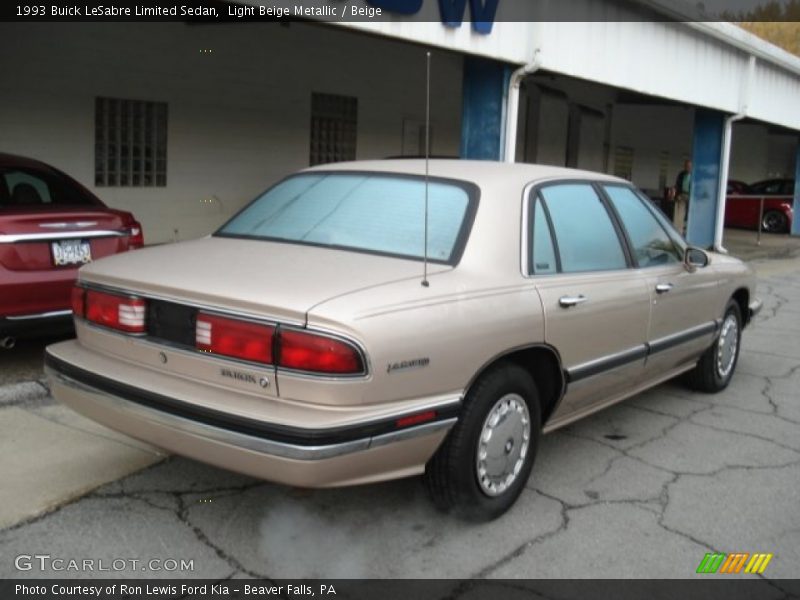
column 71, row 252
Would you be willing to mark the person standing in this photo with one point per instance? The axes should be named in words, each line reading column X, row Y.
column 683, row 186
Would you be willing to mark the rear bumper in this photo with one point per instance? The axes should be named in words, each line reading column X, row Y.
column 357, row 453
column 50, row 323
column 31, row 302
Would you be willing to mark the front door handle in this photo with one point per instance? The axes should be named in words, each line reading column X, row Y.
column 567, row 301
column 663, row 288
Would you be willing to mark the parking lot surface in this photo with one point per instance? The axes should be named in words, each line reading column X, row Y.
column 644, row 489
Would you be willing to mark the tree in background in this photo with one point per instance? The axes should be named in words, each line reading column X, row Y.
column 776, row 22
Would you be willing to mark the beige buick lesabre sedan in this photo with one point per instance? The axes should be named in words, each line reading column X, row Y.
column 303, row 342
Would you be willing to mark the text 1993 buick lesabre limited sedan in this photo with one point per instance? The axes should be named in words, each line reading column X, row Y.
column 300, row 344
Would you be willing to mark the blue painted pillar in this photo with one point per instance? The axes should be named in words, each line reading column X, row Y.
column 706, row 156
column 796, row 218
column 484, row 104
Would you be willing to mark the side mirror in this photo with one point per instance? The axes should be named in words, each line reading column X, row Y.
column 695, row 258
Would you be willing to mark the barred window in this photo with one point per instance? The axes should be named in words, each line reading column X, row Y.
column 130, row 143
column 334, row 122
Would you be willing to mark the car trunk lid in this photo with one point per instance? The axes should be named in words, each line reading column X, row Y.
column 272, row 280
column 41, row 238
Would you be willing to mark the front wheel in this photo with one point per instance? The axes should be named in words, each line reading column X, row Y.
column 483, row 465
column 715, row 369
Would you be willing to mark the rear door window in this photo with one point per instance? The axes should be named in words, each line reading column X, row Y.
column 543, row 260
column 585, row 235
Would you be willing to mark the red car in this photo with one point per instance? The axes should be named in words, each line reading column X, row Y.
column 743, row 205
column 49, row 226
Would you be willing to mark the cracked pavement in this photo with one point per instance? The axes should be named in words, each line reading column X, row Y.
column 641, row 490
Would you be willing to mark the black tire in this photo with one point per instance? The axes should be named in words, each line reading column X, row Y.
column 774, row 221
column 451, row 476
column 709, row 376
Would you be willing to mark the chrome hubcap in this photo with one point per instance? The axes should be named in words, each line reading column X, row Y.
column 503, row 444
column 727, row 345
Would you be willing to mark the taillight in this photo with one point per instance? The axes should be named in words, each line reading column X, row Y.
column 137, row 235
column 298, row 350
column 235, row 338
column 318, row 354
column 123, row 313
column 78, row 300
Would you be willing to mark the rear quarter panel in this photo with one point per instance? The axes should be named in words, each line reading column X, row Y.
column 454, row 330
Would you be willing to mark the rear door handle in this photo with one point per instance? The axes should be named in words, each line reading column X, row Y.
column 663, row 288
column 567, row 301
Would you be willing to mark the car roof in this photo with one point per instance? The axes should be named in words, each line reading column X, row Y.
column 481, row 172
column 21, row 161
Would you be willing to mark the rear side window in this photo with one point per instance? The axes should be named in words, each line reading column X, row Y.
column 585, row 235
column 369, row 212
column 20, row 188
column 544, row 254
column 652, row 246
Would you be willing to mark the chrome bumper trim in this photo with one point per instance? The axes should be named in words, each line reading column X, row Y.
column 240, row 440
column 12, row 238
column 45, row 315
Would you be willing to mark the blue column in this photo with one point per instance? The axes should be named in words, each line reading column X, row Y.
column 483, row 114
column 706, row 156
column 796, row 218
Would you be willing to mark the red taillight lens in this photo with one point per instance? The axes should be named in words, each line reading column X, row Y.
column 318, row 354
column 137, row 236
column 117, row 312
column 78, row 301
column 235, row 338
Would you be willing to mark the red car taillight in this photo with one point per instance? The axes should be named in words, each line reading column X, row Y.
column 318, row 354
column 137, row 236
column 235, row 338
column 78, row 300
column 296, row 350
column 123, row 313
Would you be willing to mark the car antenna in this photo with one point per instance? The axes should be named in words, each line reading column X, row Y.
column 425, row 282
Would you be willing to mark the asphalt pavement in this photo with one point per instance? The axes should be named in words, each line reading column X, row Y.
column 641, row 490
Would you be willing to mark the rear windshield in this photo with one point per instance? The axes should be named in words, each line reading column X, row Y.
column 32, row 188
column 367, row 212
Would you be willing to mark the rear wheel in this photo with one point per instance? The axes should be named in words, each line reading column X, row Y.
column 715, row 369
column 484, row 463
column 774, row 221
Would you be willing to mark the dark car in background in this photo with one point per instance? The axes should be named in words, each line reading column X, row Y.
column 50, row 225
column 743, row 207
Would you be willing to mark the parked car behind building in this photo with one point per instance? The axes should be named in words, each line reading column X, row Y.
column 743, row 207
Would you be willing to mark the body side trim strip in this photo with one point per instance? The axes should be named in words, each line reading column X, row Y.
column 682, row 337
column 606, row 363
column 619, row 359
